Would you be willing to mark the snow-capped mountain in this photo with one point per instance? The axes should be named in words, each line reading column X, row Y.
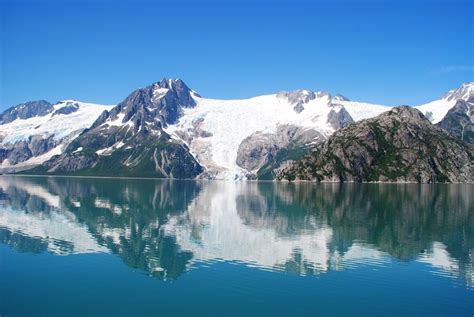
column 129, row 140
column 215, row 129
column 169, row 130
column 436, row 110
column 234, row 139
column 33, row 132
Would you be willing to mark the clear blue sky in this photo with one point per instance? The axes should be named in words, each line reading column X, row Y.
column 392, row 52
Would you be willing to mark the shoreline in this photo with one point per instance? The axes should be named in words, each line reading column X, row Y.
column 228, row 180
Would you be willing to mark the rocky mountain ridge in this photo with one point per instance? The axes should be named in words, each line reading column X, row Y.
column 168, row 130
column 129, row 140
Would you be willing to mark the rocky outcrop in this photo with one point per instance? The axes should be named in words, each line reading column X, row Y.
column 26, row 110
column 400, row 145
column 22, row 151
column 338, row 117
column 15, row 153
column 69, row 108
column 459, row 121
column 159, row 105
column 260, row 149
column 298, row 98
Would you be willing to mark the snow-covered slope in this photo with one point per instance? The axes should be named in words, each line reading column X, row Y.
column 53, row 124
column 362, row 110
column 437, row 109
column 38, row 138
column 434, row 110
column 214, row 129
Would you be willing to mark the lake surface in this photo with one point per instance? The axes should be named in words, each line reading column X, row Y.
column 135, row 247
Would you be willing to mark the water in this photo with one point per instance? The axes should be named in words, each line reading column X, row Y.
column 132, row 247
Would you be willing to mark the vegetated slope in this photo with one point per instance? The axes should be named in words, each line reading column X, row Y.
column 400, row 145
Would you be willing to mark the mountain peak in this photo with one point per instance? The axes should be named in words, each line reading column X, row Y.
column 170, row 82
column 155, row 106
column 176, row 85
column 26, row 110
column 464, row 92
column 298, row 98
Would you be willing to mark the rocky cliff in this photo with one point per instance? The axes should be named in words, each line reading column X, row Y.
column 459, row 121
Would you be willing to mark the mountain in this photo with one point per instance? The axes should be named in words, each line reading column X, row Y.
column 436, row 110
column 400, row 145
column 129, row 140
column 256, row 137
column 33, row 132
column 168, row 130
column 235, row 139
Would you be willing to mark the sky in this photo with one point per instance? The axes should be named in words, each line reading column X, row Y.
column 389, row 52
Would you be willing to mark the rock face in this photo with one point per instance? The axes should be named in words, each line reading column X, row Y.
column 129, row 140
column 67, row 109
column 338, row 117
column 154, row 106
column 459, row 121
column 400, row 145
column 26, row 110
column 23, row 150
column 298, row 98
column 260, row 149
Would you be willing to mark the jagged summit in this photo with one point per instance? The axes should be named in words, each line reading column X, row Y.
column 464, row 92
column 26, row 110
column 176, row 84
column 300, row 97
column 152, row 107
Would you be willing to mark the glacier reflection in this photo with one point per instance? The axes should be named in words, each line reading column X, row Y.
column 169, row 227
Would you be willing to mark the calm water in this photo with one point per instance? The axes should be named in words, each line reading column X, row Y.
column 124, row 247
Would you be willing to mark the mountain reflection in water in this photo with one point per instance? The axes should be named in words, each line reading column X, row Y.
column 167, row 227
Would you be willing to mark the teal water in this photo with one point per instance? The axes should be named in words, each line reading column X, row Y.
column 134, row 247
